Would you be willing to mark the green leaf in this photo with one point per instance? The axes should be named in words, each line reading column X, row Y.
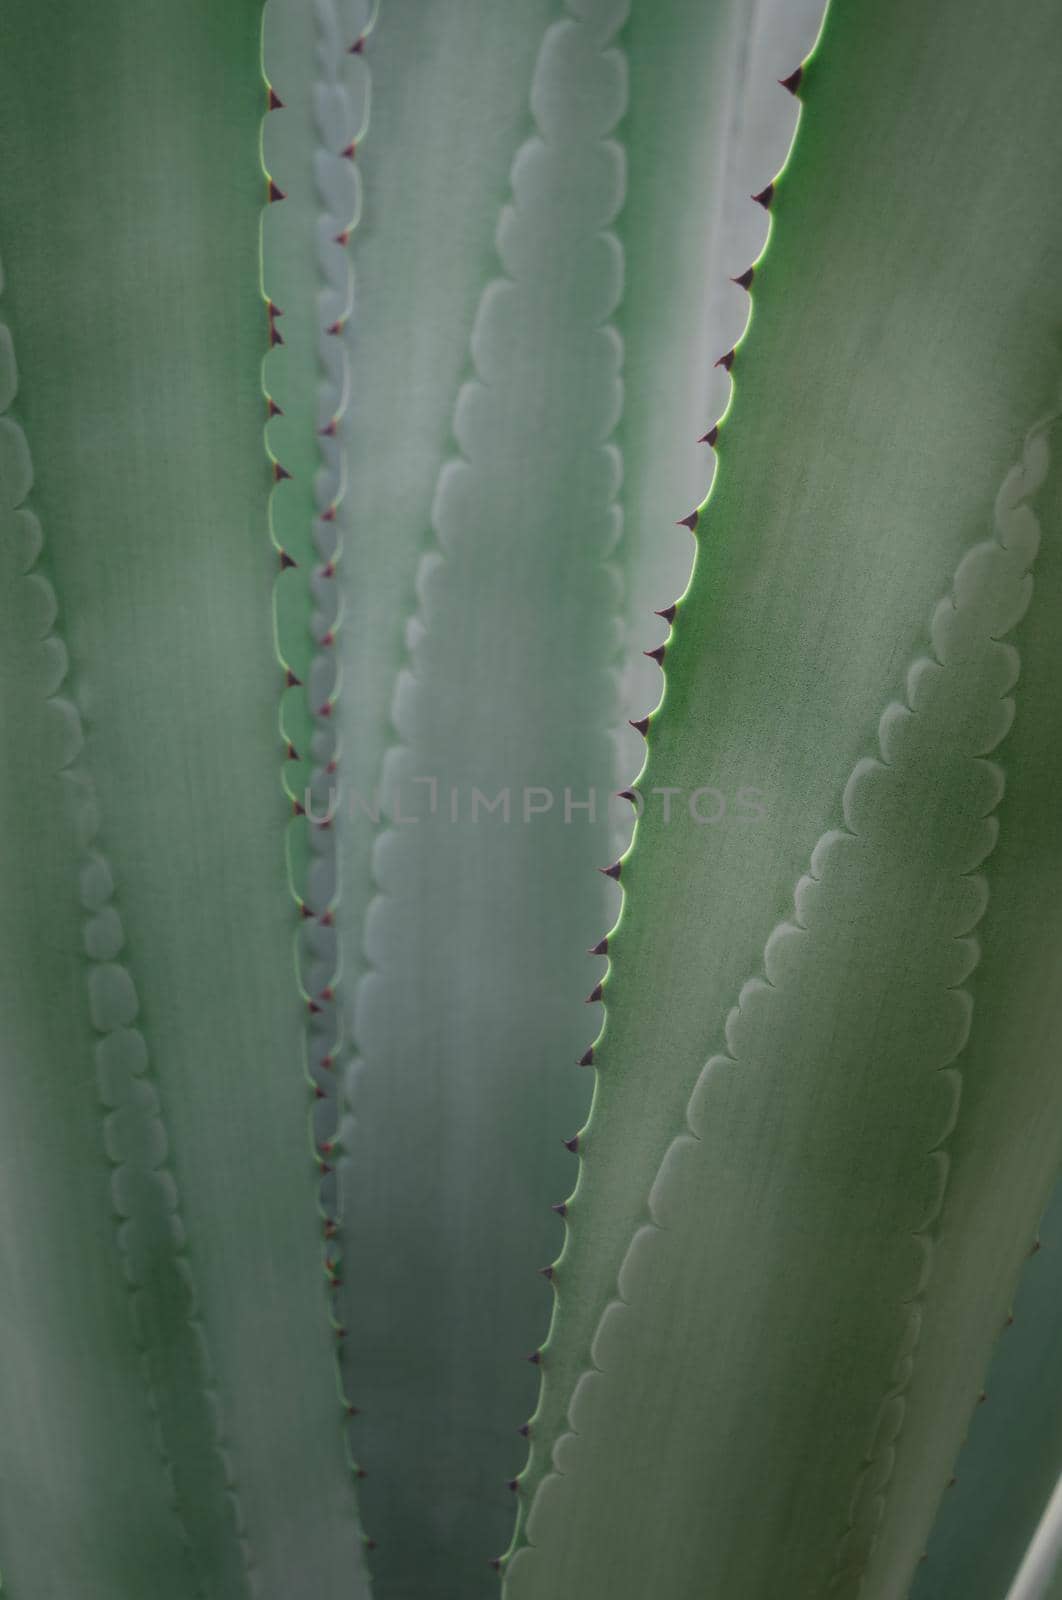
column 817, row 1143
column 87, row 1488
column 1006, row 1144
column 319, row 91
column 1040, row 1574
column 1010, row 1462
column 471, row 1018
column 449, row 113
column 706, row 123
column 880, row 399
column 131, row 199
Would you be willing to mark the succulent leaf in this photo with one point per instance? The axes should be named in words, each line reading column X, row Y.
column 140, row 333
column 470, row 1019
column 89, row 1423
column 806, row 594
column 316, row 66
column 1010, row 1462
column 706, row 111
column 449, row 113
column 818, row 1139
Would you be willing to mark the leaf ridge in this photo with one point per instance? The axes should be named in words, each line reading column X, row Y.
column 1008, row 1461
column 1007, row 557
column 934, row 746
column 573, row 273
column 992, row 586
column 149, row 1230
column 540, row 1439
column 319, row 85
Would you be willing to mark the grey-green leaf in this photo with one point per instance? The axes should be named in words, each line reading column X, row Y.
column 470, row 1020
column 1010, row 1462
column 131, row 195
column 841, row 508
column 817, row 1142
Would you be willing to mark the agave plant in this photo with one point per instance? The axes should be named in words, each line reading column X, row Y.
column 341, row 1254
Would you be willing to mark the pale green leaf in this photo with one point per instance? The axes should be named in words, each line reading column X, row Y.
column 1010, row 1462
column 879, row 402
column 470, row 1019
column 1040, row 1574
column 130, row 198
